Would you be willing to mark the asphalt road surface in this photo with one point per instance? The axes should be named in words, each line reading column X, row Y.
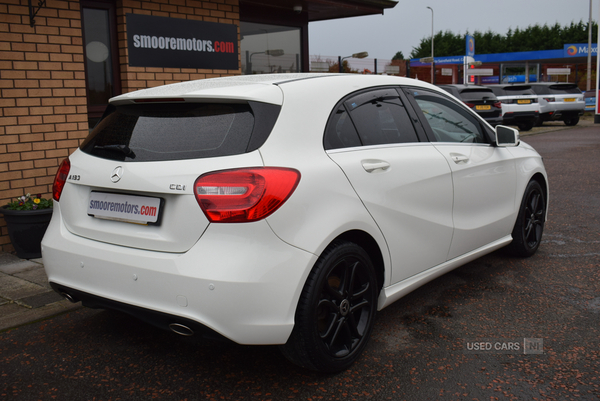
column 432, row 344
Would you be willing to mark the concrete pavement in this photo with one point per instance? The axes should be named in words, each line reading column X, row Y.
column 25, row 295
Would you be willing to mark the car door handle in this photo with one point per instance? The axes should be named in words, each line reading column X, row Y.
column 458, row 158
column 371, row 166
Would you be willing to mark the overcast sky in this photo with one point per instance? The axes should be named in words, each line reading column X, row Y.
column 402, row 27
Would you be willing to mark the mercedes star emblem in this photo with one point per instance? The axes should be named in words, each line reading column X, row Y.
column 116, row 174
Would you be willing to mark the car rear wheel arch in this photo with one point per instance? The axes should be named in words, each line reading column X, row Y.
column 336, row 311
column 368, row 243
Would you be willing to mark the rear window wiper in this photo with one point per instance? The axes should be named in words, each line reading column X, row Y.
column 124, row 149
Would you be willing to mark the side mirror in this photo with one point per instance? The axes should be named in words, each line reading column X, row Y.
column 506, row 136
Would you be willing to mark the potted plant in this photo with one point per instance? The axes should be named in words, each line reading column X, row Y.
column 27, row 219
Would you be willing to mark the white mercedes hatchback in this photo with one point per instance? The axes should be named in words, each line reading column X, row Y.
column 285, row 209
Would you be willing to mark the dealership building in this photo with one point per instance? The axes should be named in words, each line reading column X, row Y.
column 568, row 64
column 61, row 60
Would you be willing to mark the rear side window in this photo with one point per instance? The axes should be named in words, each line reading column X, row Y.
column 376, row 117
column 477, row 94
column 175, row 131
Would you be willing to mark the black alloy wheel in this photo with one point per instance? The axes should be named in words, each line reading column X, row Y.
column 528, row 230
column 336, row 311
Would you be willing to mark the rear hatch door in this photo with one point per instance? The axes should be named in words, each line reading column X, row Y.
column 131, row 182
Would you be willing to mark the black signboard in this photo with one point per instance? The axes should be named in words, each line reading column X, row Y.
column 179, row 43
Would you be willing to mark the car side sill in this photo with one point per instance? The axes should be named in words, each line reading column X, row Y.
column 396, row 291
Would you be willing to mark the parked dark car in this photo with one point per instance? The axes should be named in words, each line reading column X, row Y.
column 480, row 99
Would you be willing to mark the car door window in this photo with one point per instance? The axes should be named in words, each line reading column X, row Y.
column 376, row 117
column 380, row 118
column 448, row 121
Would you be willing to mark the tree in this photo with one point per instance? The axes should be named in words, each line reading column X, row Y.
column 398, row 56
column 532, row 38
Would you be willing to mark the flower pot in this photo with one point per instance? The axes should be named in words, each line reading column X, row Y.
column 26, row 229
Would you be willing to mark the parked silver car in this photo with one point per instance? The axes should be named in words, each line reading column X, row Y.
column 519, row 105
column 559, row 102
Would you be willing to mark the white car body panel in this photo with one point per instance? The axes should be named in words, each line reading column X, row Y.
column 391, row 294
column 178, row 232
column 245, row 87
column 416, row 224
column 491, row 172
column 251, row 299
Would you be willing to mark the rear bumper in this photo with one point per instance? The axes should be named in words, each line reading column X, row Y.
column 161, row 320
column 239, row 281
column 510, row 118
column 560, row 115
column 493, row 121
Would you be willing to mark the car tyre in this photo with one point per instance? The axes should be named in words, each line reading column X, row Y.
column 570, row 122
column 336, row 310
column 529, row 227
column 526, row 126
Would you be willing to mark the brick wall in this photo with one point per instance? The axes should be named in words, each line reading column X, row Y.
column 43, row 112
column 43, row 103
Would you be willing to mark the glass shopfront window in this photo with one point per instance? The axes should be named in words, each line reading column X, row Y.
column 101, row 57
column 270, row 48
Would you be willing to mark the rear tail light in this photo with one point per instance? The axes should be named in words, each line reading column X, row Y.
column 549, row 99
column 246, row 194
column 471, row 105
column 498, row 105
column 60, row 179
column 506, row 101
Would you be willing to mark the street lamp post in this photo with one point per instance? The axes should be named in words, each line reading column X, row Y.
column 355, row 55
column 274, row 53
column 432, row 59
column 589, row 55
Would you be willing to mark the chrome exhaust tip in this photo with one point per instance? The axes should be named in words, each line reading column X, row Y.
column 181, row 329
column 69, row 297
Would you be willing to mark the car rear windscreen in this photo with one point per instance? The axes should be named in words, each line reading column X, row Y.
column 477, row 94
column 518, row 90
column 562, row 89
column 173, row 131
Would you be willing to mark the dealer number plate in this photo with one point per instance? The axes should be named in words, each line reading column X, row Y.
column 127, row 208
column 485, row 107
column 524, row 101
column 570, row 99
